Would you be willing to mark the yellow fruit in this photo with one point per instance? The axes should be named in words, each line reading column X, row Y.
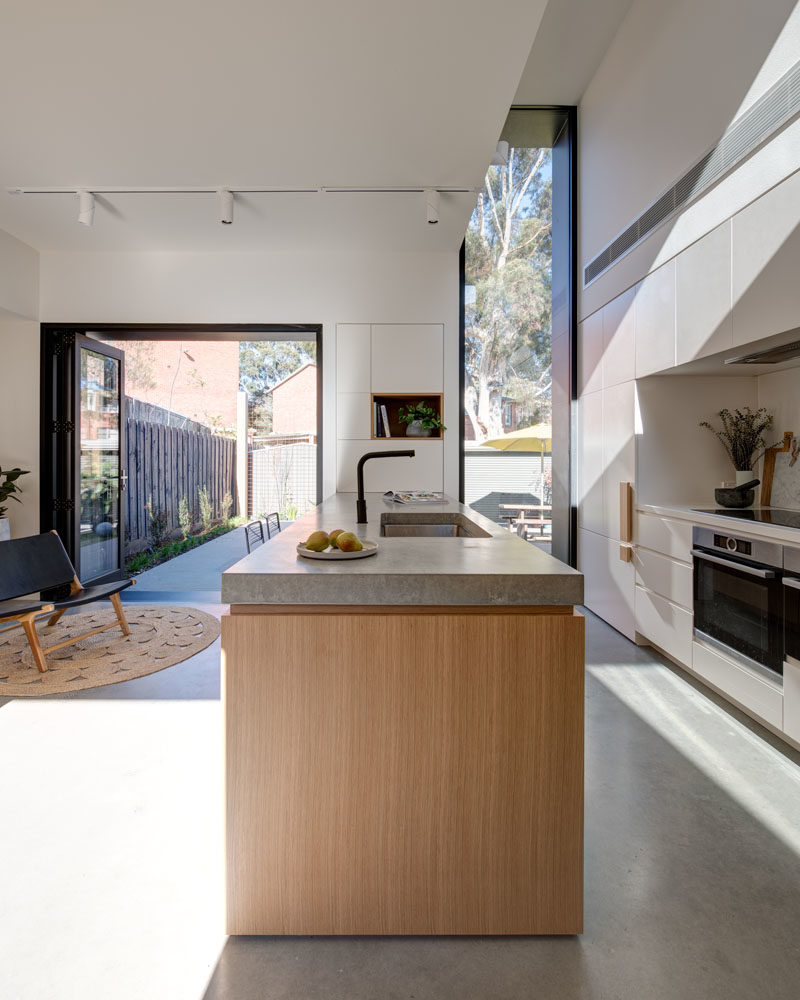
column 334, row 535
column 318, row 541
column 348, row 542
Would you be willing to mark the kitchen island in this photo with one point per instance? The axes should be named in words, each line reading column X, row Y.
column 404, row 732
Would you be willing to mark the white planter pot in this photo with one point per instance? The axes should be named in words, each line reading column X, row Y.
column 744, row 477
column 5, row 529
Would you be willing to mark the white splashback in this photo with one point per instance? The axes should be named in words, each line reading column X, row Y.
column 780, row 394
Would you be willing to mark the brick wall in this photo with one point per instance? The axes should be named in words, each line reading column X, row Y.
column 294, row 403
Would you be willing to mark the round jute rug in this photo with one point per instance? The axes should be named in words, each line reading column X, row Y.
column 160, row 637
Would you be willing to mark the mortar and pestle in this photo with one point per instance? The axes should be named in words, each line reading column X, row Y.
column 737, row 496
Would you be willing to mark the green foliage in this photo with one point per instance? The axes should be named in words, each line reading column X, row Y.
column 206, row 508
column 426, row 415
column 227, row 506
column 8, row 486
column 508, row 264
column 185, row 519
column 288, row 511
column 264, row 363
column 742, row 435
column 146, row 560
column 158, row 523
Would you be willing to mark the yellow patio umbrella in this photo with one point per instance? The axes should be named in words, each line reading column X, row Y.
column 537, row 438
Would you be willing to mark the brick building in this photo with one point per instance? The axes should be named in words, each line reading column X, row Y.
column 294, row 402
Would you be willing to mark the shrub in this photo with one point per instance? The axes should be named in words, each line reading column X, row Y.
column 227, row 506
column 184, row 516
column 158, row 523
column 206, row 508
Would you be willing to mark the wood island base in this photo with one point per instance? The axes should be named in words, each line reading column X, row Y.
column 404, row 770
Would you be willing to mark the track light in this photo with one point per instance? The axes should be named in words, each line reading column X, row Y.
column 85, row 207
column 432, row 205
column 225, row 206
column 500, row 158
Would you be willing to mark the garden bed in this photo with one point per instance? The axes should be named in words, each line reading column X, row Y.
column 149, row 558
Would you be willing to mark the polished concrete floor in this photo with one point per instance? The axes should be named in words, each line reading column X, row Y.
column 110, row 858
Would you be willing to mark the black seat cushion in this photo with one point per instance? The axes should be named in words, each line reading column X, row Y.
column 10, row 609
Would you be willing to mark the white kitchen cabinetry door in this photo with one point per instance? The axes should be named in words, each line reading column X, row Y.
column 353, row 417
column 665, row 624
column 609, row 583
column 703, row 296
column 590, row 499
column 791, row 700
column 664, row 576
column 352, row 357
column 407, row 358
column 619, row 352
column 619, row 451
column 667, row 535
column 654, row 317
column 766, row 249
column 423, row 472
column 590, row 340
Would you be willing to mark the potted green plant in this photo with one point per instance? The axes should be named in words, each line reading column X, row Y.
column 742, row 438
column 421, row 420
column 8, row 490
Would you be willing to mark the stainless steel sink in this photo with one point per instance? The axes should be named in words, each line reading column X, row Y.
column 430, row 526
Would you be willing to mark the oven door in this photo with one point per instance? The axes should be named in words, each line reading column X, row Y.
column 791, row 603
column 739, row 605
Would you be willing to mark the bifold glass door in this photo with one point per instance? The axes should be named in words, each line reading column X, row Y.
column 99, row 433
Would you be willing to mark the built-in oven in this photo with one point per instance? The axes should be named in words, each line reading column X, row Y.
column 791, row 604
column 739, row 597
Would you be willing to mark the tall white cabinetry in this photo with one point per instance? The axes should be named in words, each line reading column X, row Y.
column 393, row 359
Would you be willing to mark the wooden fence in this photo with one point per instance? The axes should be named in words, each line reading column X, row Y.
column 168, row 463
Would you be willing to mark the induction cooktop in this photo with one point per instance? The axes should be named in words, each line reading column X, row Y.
column 766, row 515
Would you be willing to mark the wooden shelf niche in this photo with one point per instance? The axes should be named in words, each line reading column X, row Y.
column 393, row 402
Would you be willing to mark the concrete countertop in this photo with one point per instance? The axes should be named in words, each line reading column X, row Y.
column 733, row 524
column 498, row 570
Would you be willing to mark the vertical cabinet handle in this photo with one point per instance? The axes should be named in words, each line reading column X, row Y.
column 626, row 512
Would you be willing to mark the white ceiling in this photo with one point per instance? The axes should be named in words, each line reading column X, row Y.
column 190, row 93
column 570, row 44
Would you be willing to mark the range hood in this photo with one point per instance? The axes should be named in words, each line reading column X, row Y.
column 768, row 356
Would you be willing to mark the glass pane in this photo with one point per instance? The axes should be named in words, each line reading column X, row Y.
column 508, row 309
column 99, row 464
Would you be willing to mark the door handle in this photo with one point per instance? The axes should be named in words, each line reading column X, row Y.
column 790, row 581
column 625, row 512
column 123, row 480
column 762, row 574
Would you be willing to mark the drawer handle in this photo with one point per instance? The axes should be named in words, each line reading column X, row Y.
column 790, row 581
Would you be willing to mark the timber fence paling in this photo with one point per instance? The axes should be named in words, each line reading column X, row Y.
column 167, row 463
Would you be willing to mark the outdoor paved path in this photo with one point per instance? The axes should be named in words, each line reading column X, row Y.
column 197, row 569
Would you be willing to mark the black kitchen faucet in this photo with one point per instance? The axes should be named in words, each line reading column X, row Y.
column 361, row 503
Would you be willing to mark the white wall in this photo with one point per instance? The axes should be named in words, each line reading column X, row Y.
column 675, row 76
column 267, row 288
column 19, row 376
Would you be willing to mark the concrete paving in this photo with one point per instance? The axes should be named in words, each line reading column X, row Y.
column 111, row 840
column 197, row 569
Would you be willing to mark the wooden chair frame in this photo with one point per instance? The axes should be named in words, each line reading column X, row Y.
column 27, row 622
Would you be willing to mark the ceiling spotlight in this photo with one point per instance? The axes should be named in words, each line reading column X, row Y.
column 500, row 158
column 85, row 207
column 225, row 206
column 432, row 205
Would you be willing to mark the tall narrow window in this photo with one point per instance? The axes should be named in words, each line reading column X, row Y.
column 509, row 417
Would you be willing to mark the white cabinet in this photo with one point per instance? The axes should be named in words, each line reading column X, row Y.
column 759, row 696
column 664, row 576
column 667, row 535
column 353, row 354
column 703, row 296
column 590, row 490
column 791, row 700
column 590, row 351
column 423, row 472
column 665, row 624
column 353, row 418
column 619, row 354
column 407, row 358
column 654, row 318
column 386, row 358
column 766, row 250
column 619, row 451
column 609, row 583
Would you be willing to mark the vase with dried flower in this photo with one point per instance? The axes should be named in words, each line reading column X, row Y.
column 742, row 437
